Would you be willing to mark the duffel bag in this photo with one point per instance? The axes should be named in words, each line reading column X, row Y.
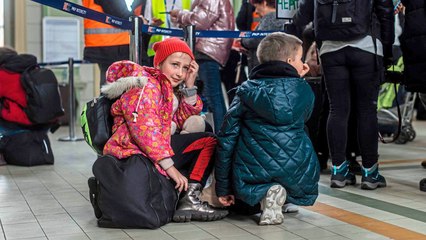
column 131, row 193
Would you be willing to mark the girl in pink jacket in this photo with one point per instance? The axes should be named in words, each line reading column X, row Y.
column 153, row 103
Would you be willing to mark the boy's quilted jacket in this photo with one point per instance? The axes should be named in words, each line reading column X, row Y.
column 263, row 142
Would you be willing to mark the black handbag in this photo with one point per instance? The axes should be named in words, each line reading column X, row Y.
column 96, row 122
column 131, row 193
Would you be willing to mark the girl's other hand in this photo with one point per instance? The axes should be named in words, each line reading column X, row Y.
column 180, row 180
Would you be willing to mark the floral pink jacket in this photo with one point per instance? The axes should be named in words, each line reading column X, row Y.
column 149, row 132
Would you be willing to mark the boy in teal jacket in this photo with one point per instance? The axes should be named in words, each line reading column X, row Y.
column 264, row 154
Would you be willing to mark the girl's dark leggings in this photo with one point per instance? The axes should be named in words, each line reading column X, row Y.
column 194, row 155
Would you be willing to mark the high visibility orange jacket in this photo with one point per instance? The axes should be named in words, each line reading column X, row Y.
column 98, row 34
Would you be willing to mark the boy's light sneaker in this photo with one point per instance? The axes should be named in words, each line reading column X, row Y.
column 290, row 208
column 341, row 176
column 371, row 179
column 271, row 206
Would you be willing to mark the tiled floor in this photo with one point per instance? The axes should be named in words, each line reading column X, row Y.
column 51, row 202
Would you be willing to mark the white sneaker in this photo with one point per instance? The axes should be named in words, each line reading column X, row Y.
column 290, row 208
column 271, row 206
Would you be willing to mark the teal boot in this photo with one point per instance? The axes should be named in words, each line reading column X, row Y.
column 371, row 179
column 341, row 176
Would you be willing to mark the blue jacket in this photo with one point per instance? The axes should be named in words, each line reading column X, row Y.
column 262, row 141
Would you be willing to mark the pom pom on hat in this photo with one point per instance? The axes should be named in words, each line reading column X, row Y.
column 169, row 46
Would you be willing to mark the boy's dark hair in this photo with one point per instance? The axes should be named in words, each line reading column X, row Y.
column 278, row 46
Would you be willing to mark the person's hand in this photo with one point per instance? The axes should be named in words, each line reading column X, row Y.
column 192, row 74
column 236, row 45
column 174, row 15
column 156, row 22
column 180, row 180
column 144, row 20
column 227, row 200
column 399, row 8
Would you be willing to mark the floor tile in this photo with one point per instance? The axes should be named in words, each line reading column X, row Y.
column 157, row 234
column 22, row 230
column 17, row 217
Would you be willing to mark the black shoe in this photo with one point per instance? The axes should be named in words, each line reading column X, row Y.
column 93, row 195
column 424, row 164
column 371, row 179
column 341, row 176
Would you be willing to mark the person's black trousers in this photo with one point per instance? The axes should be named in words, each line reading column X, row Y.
column 352, row 74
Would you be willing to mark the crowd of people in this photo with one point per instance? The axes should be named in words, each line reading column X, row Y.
column 259, row 151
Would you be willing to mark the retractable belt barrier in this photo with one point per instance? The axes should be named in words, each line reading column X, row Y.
column 84, row 12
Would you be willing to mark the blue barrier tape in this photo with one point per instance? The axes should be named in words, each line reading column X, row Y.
column 84, row 12
column 205, row 34
column 125, row 24
column 162, row 31
column 231, row 34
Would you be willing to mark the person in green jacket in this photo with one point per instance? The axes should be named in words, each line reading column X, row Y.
column 264, row 153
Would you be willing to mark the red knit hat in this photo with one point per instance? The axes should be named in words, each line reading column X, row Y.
column 169, row 46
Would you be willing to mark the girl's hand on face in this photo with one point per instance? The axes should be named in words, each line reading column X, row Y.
column 180, row 180
column 192, row 74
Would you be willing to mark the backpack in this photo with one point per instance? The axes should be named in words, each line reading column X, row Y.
column 44, row 104
column 131, row 193
column 342, row 20
column 96, row 122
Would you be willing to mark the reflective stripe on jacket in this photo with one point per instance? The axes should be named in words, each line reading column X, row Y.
column 98, row 34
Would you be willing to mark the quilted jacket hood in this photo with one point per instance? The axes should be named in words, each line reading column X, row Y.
column 269, row 90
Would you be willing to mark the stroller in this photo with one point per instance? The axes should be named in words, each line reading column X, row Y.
column 388, row 117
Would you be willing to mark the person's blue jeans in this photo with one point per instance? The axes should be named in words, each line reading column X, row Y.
column 209, row 73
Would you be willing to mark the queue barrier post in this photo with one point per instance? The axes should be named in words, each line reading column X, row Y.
column 71, row 137
column 189, row 36
column 135, row 39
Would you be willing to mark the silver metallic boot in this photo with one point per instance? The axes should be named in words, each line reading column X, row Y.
column 190, row 207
